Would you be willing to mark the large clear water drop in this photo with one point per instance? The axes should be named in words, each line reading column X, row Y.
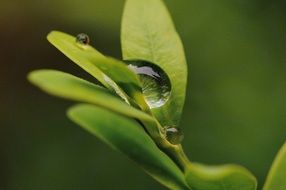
column 155, row 82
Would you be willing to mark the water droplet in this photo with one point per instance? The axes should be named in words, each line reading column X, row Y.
column 155, row 82
column 174, row 135
column 82, row 39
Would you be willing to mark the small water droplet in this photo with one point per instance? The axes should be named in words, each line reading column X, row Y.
column 82, row 39
column 155, row 82
column 174, row 135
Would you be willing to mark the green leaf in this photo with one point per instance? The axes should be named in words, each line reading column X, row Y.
column 148, row 34
column 110, row 72
column 125, row 78
column 78, row 54
column 226, row 177
column 276, row 179
column 68, row 86
column 128, row 137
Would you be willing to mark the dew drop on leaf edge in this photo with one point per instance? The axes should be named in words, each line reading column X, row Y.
column 82, row 39
column 156, row 85
column 174, row 135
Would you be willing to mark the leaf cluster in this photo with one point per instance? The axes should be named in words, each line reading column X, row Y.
column 116, row 111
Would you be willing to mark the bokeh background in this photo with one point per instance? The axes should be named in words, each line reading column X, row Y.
column 236, row 99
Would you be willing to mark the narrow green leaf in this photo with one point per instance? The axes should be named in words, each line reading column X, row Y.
column 276, row 179
column 125, row 78
column 86, row 57
column 68, row 86
column 226, row 177
column 68, row 46
column 111, row 73
column 148, row 34
column 126, row 136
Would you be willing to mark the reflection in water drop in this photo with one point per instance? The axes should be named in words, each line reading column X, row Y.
column 156, row 84
column 174, row 135
column 82, row 39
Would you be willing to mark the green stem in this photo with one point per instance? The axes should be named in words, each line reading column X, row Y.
column 177, row 154
column 154, row 129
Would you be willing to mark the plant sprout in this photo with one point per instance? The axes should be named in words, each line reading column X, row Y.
column 137, row 107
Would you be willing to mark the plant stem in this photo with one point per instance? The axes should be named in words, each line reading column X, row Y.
column 177, row 154
column 154, row 129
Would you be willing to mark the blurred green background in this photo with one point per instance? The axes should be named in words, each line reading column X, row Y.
column 236, row 99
